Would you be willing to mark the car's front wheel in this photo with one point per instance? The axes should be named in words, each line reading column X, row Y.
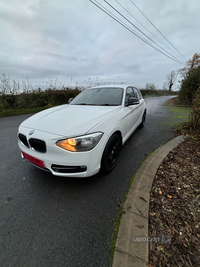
column 143, row 120
column 111, row 152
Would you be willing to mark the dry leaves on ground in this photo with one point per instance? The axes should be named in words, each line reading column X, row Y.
column 175, row 208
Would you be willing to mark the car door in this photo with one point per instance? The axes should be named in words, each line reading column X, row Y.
column 140, row 107
column 131, row 113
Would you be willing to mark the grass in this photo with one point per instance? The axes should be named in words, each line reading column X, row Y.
column 178, row 115
column 14, row 112
column 181, row 112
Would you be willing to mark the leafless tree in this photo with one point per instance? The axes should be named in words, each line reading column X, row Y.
column 171, row 78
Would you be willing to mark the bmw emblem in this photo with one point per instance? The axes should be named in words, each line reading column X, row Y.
column 31, row 132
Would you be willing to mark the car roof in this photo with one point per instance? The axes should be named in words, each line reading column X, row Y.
column 124, row 86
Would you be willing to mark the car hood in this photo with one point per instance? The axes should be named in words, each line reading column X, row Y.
column 69, row 120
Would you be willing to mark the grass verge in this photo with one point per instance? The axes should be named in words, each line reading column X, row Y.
column 181, row 112
column 14, row 112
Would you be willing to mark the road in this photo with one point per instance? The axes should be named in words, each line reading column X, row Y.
column 51, row 221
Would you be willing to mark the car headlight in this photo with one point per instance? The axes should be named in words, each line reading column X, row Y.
column 81, row 143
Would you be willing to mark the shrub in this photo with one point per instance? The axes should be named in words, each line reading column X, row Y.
column 59, row 97
column 194, row 117
column 189, row 86
column 37, row 98
column 149, row 92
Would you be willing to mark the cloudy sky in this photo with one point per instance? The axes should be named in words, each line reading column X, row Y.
column 73, row 41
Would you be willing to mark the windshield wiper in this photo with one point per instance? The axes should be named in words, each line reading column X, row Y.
column 95, row 104
column 84, row 104
column 108, row 105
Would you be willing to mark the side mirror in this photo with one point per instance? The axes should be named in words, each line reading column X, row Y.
column 132, row 101
column 70, row 100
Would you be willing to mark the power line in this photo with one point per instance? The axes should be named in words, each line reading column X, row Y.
column 145, row 27
column 128, row 28
column 157, row 29
column 140, row 30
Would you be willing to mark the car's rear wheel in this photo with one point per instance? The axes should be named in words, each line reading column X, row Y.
column 111, row 152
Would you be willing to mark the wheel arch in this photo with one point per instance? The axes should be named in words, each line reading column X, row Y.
column 118, row 133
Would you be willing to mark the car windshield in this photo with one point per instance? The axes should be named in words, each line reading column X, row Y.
column 99, row 97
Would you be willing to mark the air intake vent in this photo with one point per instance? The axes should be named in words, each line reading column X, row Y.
column 38, row 145
column 23, row 139
column 68, row 169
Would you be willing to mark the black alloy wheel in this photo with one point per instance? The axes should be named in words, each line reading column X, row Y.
column 143, row 120
column 111, row 152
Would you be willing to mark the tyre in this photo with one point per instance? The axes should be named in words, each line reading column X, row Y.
column 143, row 120
column 110, row 154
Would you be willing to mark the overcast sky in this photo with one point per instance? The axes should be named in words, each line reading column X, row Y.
column 73, row 41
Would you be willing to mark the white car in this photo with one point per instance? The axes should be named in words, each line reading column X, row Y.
column 85, row 136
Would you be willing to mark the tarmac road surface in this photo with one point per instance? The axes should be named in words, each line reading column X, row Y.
column 52, row 221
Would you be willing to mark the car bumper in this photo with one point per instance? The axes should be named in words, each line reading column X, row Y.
column 61, row 162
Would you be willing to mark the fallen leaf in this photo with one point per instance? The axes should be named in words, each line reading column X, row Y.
column 169, row 196
column 160, row 248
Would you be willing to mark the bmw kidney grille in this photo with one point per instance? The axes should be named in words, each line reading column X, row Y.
column 36, row 144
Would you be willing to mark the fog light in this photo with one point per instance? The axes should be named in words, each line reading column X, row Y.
column 83, row 168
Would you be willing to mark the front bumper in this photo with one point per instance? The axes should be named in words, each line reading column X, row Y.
column 58, row 161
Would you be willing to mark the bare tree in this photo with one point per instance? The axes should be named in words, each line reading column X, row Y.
column 150, row 86
column 171, row 78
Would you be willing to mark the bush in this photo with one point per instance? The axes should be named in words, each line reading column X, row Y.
column 37, row 98
column 194, row 117
column 149, row 92
column 60, row 97
column 189, row 86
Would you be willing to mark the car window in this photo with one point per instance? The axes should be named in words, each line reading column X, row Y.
column 129, row 94
column 140, row 95
column 100, row 97
column 136, row 93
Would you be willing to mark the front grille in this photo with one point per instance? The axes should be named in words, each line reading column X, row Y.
column 68, row 169
column 23, row 139
column 38, row 145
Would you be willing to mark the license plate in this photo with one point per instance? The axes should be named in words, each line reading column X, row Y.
column 36, row 161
